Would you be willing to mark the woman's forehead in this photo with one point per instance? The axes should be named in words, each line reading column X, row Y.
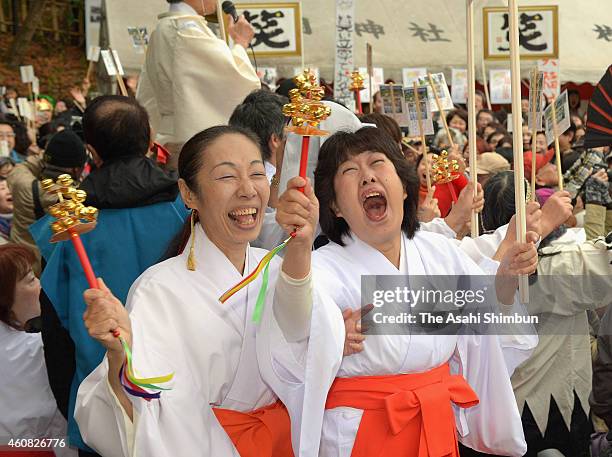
column 232, row 148
column 350, row 155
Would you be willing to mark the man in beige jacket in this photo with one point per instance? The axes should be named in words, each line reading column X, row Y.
column 65, row 154
column 191, row 80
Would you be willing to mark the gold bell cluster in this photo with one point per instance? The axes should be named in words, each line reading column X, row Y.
column 71, row 215
column 445, row 170
column 357, row 82
column 306, row 109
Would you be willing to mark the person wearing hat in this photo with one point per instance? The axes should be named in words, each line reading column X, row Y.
column 192, row 80
column 65, row 154
column 490, row 163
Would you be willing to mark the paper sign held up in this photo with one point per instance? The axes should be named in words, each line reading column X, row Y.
column 27, row 73
column 378, row 78
column 500, row 83
column 441, row 89
column 459, row 85
column 36, row 86
column 118, row 63
column 535, row 101
column 4, row 149
column 109, row 64
column 268, row 76
column 393, row 102
column 425, row 108
column 410, row 75
column 25, row 110
column 93, row 53
column 562, row 117
column 140, row 38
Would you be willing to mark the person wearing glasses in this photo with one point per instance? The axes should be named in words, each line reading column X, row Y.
column 7, row 143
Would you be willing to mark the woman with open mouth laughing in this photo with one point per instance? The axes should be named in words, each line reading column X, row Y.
column 223, row 401
column 397, row 396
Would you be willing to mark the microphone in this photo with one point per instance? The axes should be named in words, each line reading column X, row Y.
column 229, row 8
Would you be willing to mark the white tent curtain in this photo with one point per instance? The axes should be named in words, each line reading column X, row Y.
column 584, row 53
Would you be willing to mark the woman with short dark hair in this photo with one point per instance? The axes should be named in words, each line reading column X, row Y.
column 368, row 199
column 29, row 410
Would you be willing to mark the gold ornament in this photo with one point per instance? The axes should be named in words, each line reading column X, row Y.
column 444, row 170
column 306, row 109
column 64, row 180
column 357, row 83
column 71, row 215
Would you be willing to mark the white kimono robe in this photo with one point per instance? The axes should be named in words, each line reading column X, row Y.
column 494, row 425
column 27, row 405
column 219, row 358
column 191, row 80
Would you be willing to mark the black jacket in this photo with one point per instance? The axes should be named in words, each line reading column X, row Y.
column 129, row 182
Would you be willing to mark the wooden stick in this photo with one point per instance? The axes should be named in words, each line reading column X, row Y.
column 471, row 69
column 525, row 84
column 412, row 148
column 534, row 132
column 422, row 132
column 90, row 69
column 121, row 84
column 517, row 140
column 370, row 69
column 222, row 33
column 557, row 150
column 392, row 99
column 486, row 84
column 303, row 53
column 534, row 164
column 34, row 108
column 441, row 111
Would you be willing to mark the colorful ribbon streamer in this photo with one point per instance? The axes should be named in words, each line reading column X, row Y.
column 134, row 385
column 263, row 265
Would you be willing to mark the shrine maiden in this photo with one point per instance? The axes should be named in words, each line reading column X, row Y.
column 191, row 79
column 397, row 396
column 221, row 402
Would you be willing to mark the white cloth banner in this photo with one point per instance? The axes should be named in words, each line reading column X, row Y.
column 459, row 85
column 407, row 33
column 345, row 61
column 552, row 84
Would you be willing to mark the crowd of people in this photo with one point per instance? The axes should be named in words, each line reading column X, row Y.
column 194, row 188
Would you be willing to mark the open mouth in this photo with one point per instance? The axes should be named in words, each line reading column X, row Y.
column 244, row 217
column 375, row 205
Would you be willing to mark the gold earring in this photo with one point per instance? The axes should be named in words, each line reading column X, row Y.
column 191, row 266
